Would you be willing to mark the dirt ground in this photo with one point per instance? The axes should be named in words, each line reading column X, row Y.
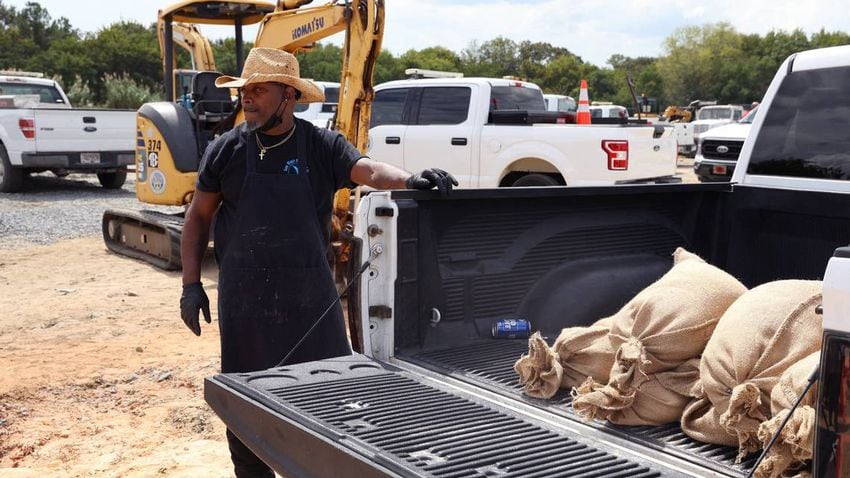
column 100, row 376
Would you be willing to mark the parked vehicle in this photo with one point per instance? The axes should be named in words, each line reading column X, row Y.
column 713, row 116
column 560, row 103
column 492, row 132
column 434, row 394
column 718, row 149
column 608, row 111
column 320, row 114
column 40, row 131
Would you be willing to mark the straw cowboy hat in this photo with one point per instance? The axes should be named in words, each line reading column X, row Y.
column 278, row 66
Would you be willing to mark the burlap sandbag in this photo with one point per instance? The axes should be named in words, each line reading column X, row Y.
column 792, row 450
column 762, row 334
column 661, row 328
column 578, row 353
column 656, row 401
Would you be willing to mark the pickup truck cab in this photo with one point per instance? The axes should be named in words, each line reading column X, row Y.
column 495, row 133
column 608, row 111
column 320, row 114
column 433, row 393
column 560, row 103
column 709, row 117
column 718, row 149
column 40, row 131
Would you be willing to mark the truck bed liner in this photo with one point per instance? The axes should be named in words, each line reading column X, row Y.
column 489, row 364
column 377, row 416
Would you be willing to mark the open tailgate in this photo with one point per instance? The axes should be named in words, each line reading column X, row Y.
column 352, row 416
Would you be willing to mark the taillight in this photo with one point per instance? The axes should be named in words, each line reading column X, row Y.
column 27, row 127
column 832, row 437
column 618, row 154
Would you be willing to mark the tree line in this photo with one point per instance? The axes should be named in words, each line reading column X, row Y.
column 120, row 65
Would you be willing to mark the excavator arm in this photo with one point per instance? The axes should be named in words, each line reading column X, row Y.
column 189, row 37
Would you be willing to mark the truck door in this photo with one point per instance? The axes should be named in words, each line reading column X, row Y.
column 440, row 134
column 388, row 126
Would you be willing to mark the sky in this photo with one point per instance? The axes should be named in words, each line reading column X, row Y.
column 592, row 29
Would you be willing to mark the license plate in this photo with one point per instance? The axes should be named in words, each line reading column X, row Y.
column 89, row 158
column 718, row 169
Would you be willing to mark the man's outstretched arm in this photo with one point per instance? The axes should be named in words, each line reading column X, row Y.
column 385, row 176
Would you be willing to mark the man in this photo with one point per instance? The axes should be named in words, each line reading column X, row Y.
column 271, row 181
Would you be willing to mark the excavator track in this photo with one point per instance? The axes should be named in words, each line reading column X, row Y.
column 150, row 236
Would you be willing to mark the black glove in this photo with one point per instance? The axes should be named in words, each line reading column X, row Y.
column 432, row 178
column 194, row 299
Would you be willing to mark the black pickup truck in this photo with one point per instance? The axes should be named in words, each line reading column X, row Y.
column 433, row 394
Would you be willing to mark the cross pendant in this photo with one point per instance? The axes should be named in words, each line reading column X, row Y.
column 262, row 154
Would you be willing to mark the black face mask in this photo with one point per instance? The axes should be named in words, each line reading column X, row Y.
column 275, row 119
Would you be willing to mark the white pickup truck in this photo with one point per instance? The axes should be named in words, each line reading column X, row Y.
column 496, row 133
column 434, row 394
column 718, row 149
column 39, row 131
column 709, row 117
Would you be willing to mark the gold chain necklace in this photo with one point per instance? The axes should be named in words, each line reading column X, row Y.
column 263, row 149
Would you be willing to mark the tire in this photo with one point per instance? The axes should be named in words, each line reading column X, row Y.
column 535, row 179
column 113, row 180
column 11, row 178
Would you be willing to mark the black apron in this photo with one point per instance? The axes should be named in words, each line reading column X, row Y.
column 274, row 278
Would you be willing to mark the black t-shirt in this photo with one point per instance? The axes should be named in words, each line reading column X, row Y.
column 329, row 160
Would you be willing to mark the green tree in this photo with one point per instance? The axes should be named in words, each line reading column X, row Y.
column 322, row 63
column 494, row 58
column 224, row 52
column 125, row 48
column 387, row 68
column 698, row 61
column 27, row 32
column 563, row 75
column 535, row 58
column 431, row 58
column 123, row 92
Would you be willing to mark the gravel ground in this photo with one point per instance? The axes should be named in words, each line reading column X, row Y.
column 51, row 209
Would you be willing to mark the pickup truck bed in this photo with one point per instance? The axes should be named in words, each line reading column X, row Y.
column 557, row 257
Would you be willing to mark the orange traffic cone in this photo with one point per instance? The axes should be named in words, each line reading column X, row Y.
column 583, row 113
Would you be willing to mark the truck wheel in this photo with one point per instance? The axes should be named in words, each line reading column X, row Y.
column 112, row 180
column 11, row 179
column 535, row 179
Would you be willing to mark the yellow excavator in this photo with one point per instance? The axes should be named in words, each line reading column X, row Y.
column 172, row 135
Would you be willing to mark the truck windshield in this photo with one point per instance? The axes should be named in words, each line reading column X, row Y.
column 750, row 116
column 516, row 98
column 46, row 93
column 805, row 130
column 714, row 113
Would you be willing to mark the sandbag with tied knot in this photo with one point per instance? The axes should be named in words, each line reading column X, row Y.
column 766, row 331
column 656, row 337
column 578, row 353
column 792, row 451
